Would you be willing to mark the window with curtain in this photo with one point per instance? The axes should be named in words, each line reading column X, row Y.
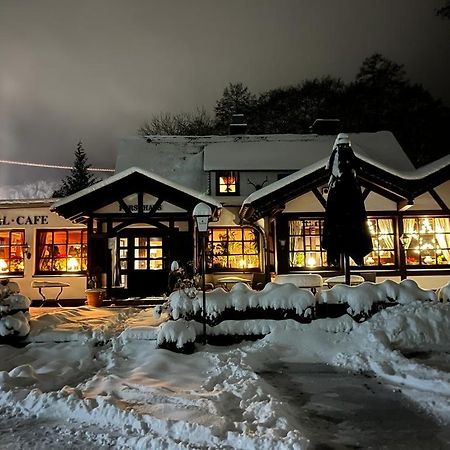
column 233, row 248
column 382, row 233
column 427, row 241
column 305, row 251
column 304, row 244
column 12, row 243
column 61, row 251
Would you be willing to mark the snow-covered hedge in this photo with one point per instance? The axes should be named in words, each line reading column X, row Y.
column 219, row 303
column 443, row 293
column 362, row 298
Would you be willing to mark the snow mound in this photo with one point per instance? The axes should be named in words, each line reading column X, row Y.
column 443, row 293
column 179, row 332
column 361, row 298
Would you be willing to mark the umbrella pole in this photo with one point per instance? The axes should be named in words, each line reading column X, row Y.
column 347, row 268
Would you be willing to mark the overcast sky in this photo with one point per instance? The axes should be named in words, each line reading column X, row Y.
column 95, row 70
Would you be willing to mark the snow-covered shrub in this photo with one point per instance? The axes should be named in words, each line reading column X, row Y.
column 365, row 298
column 14, row 316
column 242, row 299
column 178, row 335
column 443, row 293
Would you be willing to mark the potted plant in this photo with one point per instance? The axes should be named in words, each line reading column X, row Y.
column 94, row 294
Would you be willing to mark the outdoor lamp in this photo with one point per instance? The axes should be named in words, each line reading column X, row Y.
column 202, row 213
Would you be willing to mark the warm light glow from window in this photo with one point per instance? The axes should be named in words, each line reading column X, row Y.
column 311, row 262
column 3, row 266
column 73, row 265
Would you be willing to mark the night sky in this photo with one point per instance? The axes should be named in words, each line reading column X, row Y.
column 95, row 70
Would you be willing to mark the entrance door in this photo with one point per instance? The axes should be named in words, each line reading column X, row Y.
column 143, row 262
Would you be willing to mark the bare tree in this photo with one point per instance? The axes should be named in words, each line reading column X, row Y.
column 198, row 123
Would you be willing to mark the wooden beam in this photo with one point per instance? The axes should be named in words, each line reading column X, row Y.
column 156, row 206
column 124, row 206
column 319, row 197
column 140, row 202
column 404, row 205
column 365, row 193
column 439, row 200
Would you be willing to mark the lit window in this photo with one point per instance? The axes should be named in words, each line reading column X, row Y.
column 12, row 245
column 383, row 242
column 148, row 253
column 305, row 249
column 426, row 241
column 233, row 248
column 227, row 183
column 304, row 244
column 61, row 251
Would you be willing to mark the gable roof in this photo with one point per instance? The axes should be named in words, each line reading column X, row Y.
column 185, row 159
column 294, row 152
column 122, row 184
column 395, row 185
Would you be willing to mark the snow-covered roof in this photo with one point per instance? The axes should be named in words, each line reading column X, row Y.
column 288, row 152
column 185, row 158
column 122, row 177
column 403, row 184
column 175, row 158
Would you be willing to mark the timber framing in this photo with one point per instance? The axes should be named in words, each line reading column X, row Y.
column 393, row 186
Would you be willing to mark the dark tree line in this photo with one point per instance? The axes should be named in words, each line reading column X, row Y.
column 380, row 98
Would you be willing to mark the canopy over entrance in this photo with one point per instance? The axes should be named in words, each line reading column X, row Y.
column 138, row 223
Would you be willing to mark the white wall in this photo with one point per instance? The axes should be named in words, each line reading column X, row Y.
column 19, row 218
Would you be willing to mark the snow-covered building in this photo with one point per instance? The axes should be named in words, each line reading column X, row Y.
column 267, row 194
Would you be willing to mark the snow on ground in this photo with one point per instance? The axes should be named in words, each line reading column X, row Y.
column 94, row 377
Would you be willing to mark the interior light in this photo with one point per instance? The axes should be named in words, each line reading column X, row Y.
column 311, row 262
column 73, row 265
column 3, row 266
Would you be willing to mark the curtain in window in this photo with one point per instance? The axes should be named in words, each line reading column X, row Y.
column 442, row 229
column 409, row 228
column 295, row 240
column 387, row 231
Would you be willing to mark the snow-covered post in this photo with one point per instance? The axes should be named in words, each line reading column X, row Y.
column 202, row 213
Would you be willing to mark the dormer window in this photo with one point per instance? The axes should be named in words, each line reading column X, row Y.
column 227, row 182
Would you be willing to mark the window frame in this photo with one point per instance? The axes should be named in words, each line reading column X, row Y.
column 327, row 268
column 8, row 259
column 242, row 241
column 83, row 247
column 224, row 173
column 421, row 266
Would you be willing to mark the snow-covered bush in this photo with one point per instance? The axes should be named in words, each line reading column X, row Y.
column 242, row 299
column 14, row 316
column 443, row 293
column 364, row 297
column 178, row 335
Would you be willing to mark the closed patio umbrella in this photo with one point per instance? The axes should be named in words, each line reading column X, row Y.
column 346, row 232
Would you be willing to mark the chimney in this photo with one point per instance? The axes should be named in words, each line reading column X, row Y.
column 238, row 124
column 326, row 126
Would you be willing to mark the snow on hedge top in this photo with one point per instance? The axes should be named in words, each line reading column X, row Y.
column 361, row 298
column 240, row 298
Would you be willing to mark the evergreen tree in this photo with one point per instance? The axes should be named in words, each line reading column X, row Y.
column 236, row 99
column 79, row 177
